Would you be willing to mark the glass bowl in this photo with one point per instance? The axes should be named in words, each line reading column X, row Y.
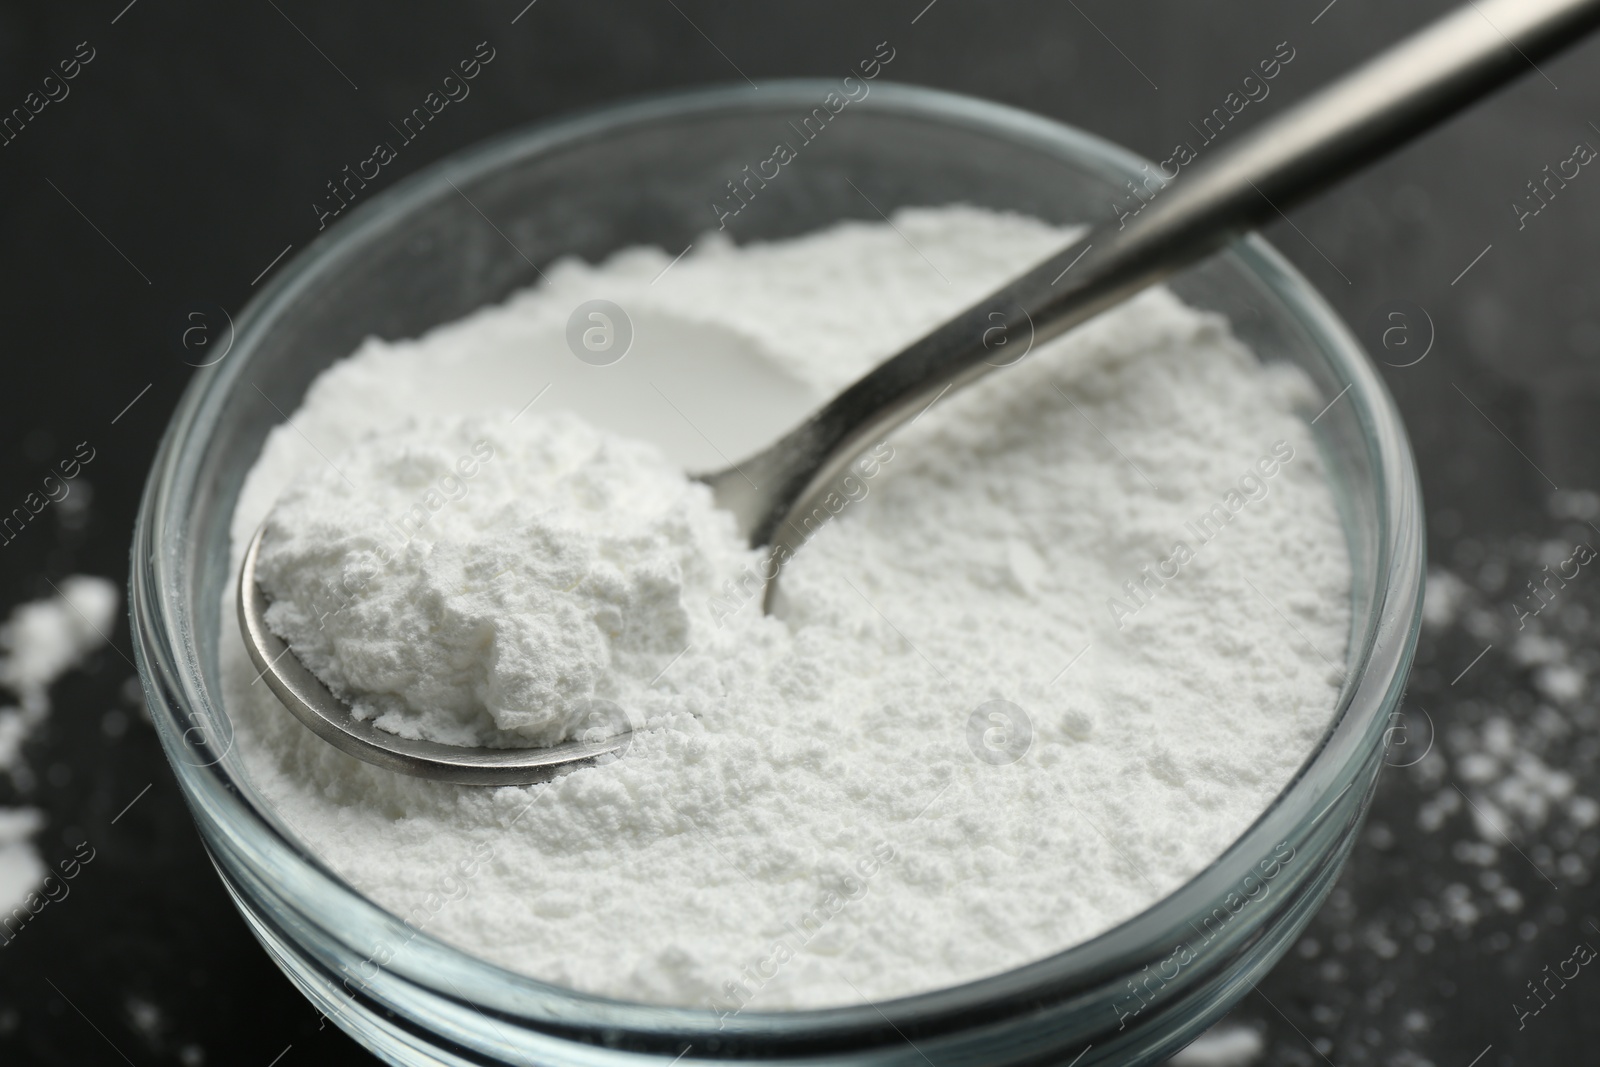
column 655, row 172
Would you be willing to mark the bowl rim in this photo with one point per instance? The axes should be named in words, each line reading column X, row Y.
column 167, row 653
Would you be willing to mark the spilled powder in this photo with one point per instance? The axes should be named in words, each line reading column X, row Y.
column 819, row 806
column 1224, row 1045
column 41, row 641
column 1475, row 876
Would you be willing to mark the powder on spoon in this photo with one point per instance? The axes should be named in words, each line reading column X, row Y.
column 488, row 580
column 1033, row 678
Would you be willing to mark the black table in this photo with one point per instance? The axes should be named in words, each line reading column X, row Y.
column 190, row 149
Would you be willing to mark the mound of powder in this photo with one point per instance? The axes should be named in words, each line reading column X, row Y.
column 479, row 582
column 1032, row 676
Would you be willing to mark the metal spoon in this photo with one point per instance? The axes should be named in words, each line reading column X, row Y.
column 1382, row 104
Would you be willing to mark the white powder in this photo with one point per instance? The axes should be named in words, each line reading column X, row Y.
column 21, row 869
column 41, row 641
column 1224, row 1045
column 828, row 805
column 486, row 579
column 1507, row 777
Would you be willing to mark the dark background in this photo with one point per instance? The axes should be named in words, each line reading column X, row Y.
column 189, row 154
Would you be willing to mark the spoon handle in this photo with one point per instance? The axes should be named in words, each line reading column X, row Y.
column 1382, row 104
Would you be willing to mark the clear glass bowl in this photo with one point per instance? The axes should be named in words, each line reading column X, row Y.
column 647, row 173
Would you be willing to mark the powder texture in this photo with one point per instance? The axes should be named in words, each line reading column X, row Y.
column 1078, row 627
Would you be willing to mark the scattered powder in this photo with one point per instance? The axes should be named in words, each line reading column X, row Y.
column 806, row 815
column 44, row 639
column 1498, row 771
column 21, row 869
column 1476, row 869
column 1442, row 602
column 1493, row 765
column 1224, row 1045
column 41, row 641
